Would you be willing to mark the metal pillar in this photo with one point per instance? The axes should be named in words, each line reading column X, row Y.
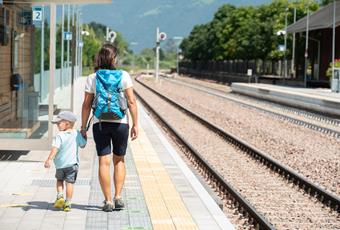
column 177, row 61
column 68, row 41
column 293, row 53
column 53, row 14
column 306, row 49
column 62, row 46
column 333, row 44
column 157, row 53
column 42, row 50
column 285, row 52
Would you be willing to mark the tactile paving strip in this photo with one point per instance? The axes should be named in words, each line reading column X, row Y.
column 134, row 216
column 52, row 182
column 165, row 205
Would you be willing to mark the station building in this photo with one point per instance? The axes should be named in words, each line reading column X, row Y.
column 28, row 75
column 320, row 30
column 18, row 100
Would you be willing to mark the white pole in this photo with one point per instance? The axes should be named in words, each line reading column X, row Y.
column 333, row 44
column 285, row 54
column 62, row 46
column 42, row 51
column 80, row 47
column 73, row 15
column 177, row 64
column 68, row 41
column 52, row 69
column 157, row 54
column 306, row 49
column 293, row 54
column 107, row 34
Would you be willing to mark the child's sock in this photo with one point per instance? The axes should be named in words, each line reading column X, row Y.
column 68, row 200
column 60, row 195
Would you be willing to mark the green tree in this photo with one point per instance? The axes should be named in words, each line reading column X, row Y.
column 95, row 39
column 244, row 32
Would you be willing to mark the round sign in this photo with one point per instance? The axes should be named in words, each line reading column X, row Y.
column 162, row 36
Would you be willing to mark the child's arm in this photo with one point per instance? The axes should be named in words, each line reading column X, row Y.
column 53, row 152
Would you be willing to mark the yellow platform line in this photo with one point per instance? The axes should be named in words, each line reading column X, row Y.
column 166, row 208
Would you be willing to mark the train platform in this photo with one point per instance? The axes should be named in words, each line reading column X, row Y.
column 318, row 100
column 160, row 191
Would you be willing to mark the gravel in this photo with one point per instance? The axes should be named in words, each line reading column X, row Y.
column 310, row 153
column 273, row 196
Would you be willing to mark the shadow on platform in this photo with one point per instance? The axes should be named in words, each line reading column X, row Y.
column 46, row 205
column 11, row 155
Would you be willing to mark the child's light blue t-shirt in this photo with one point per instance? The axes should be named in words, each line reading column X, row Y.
column 67, row 143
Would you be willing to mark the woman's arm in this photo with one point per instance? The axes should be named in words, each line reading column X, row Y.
column 131, row 100
column 85, row 112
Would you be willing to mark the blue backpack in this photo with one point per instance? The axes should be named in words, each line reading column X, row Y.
column 109, row 102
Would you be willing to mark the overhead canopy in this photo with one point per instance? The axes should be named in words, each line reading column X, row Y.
column 321, row 19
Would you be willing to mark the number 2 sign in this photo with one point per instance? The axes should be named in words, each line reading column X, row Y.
column 37, row 14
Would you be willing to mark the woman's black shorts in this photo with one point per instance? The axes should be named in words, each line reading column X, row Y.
column 115, row 133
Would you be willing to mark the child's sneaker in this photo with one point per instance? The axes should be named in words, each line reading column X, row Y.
column 67, row 206
column 59, row 202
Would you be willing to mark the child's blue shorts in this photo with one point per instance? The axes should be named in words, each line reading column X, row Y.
column 68, row 174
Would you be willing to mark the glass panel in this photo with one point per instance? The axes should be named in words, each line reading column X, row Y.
column 23, row 73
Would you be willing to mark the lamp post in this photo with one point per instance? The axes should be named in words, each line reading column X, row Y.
column 178, row 41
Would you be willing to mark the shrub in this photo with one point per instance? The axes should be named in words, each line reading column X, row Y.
column 329, row 70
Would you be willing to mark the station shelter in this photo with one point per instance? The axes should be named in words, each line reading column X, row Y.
column 320, row 34
column 29, row 77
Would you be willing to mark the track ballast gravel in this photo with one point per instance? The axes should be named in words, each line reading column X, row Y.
column 280, row 202
column 312, row 154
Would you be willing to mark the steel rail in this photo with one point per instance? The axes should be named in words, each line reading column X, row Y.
column 218, row 179
column 321, row 194
column 284, row 109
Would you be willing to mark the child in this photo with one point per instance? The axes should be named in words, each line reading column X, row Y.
column 64, row 153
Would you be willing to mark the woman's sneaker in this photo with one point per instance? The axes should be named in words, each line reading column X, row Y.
column 119, row 204
column 108, row 207
column 59, row 202
column 67, row 206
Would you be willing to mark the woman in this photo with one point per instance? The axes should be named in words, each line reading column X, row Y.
column 112, row 131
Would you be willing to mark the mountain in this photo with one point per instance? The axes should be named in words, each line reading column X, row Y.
column 137, row 20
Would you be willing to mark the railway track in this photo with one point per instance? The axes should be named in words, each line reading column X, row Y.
column 316, row 122
column 258, row 158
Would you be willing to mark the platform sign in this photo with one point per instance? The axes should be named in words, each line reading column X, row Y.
column 37, row 14
column 281, row 48
column 67, row 36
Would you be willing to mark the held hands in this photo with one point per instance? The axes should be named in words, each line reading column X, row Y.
column 48, row 163
column 83, row 133
column 134, row 132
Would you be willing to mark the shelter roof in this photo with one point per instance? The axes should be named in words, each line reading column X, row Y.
column 321, row 19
